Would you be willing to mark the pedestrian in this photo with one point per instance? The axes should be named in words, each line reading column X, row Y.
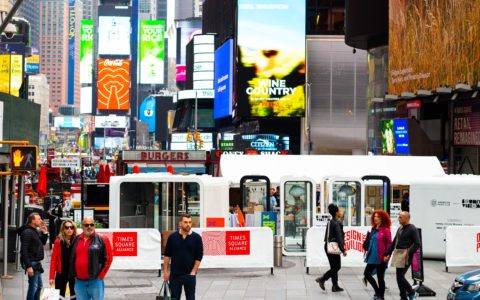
column 380, row 240
column 405, row 204
column 334, row 233
column 33, row 237
column 405, row 244
column 184, row 251
column 89, row 262
column 60, row 261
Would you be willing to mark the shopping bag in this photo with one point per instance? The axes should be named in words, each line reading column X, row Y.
column 165, row 293
column 50, row 294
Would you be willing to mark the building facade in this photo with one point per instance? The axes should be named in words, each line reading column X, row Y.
column 30, row 10
column 39, row 92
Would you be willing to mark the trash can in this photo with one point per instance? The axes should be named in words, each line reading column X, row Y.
column 277, row 250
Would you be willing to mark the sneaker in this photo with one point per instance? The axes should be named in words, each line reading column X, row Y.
column 321, row 282
column 413, row 296
column 364, row 280
column 337, row 289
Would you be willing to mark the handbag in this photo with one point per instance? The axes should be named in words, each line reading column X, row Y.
column 50, row 294
column 332, row 247
column 165, row 293
column 399, row 256
column 366, row 242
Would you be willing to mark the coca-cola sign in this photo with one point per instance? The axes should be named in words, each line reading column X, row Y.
column 113, row 62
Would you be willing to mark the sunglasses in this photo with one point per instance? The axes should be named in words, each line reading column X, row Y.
column 88, row 225
column 68, row 227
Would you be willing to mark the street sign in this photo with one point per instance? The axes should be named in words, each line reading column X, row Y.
column 66, row 162
column 23, row 158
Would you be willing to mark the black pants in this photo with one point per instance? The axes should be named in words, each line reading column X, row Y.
column 335, row 265
column 187, row 281
column 380, row 287
column 403, row 285
column 61, row 281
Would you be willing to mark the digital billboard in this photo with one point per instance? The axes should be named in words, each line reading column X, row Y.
column 152, row 51
column 395, row 136
column 147, row 112
column 466, row 124
column 67, row 122
column 113, row 84
column 86, row 51
column 271, row 64
column 71, row 52
column 114, row 35
column 433, row 43
column 32, row 63
column 222, row 106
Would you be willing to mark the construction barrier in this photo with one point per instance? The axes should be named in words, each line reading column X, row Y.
column 462, row 247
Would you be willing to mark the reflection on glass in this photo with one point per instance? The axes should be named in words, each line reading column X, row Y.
column 348, row 200
column 296, row 210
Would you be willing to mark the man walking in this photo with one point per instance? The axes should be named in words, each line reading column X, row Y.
column 91, row 258
column 33, row 237
column 184, row 250
column 405, row 244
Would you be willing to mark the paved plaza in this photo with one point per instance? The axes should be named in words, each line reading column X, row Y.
column 288, row 282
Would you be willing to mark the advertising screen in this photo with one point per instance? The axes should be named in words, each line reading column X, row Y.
column 32, row 63
column 71, row 52
column 86, row 51
column 271, row 65
column 448, row 30
column 395, row 137
column 67, row 122
column 113, row 84
column 114, row 35
column 222, row 106
column 181, row 73
column 466, row 124
column 16, row 74
column 147, row 112
column 86, row 100
column 111, row 121
column 265, row 142
column 152, row 51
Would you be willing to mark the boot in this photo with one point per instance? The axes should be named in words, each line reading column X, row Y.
column 336, row 288
column 321, row 282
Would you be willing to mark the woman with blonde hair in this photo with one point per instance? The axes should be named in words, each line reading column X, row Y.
column 60, row 262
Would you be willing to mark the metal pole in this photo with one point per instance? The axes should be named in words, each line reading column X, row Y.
column 82, row 201
column 5, row 227
column 12, row 201
column 21, row 204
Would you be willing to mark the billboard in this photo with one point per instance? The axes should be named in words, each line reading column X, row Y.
column 181, row 73
column 5, row 73
column 222, row 106
column 395, row 137
column 466, row 124
column 111, row 121
column 152, row 51
column 86, row 51
column 71, row 52
column 67, row 122
column 114, row 35
column 147, row 112
column 271, row 64
column 32, row 63
column 203, row 61
column 448, row 30
column 16, row 74
column 113, row 84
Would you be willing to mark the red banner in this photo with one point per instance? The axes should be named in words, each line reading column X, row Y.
column 226, row 243
column 125, row 243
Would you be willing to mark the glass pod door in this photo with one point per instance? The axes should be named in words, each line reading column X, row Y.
column 348, row 195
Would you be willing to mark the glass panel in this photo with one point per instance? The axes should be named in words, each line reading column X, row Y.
column 254, row 202
column 158, row 205
column 373, row 201
column 297, row 214
column 346, row 194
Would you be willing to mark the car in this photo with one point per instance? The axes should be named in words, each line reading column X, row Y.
column 465, row 287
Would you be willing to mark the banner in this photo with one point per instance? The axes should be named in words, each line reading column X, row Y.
column 32, row 63
column 86, row 51
column 222, row 106
column 354, row 238
column 462, row 246
column 134, row 248
column 466, row 123
column 113, row 84
column 71, row 53
column 271, row 58
column 236, row 247
column 152, row 51
column 446, row 29
column 5, row 73
column 16, row 74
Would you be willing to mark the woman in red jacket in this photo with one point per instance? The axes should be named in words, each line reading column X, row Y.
column 380, row 240
column 60, row 262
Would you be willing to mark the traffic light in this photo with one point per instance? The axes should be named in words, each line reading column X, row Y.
column 196, row 137
column 23, row 158
column 189, row 136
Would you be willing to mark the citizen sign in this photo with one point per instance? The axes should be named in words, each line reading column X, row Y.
column 113, row 62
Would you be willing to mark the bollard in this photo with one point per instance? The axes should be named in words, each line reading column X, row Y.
column 277, row 250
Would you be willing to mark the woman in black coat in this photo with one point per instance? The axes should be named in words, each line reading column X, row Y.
column 336, row 234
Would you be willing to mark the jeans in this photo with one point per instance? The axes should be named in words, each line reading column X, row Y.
column 403, row 285
column 187, row 281
column 35, row 286
column 335, row 265
column 380, row 268
column 92, row 289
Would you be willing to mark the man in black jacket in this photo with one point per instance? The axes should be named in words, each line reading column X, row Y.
column 33, row 237
column 407, row 237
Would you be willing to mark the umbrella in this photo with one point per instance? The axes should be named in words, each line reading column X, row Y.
column 100, row 174
column 42, row 182
column 107, row 174
column 136, row 169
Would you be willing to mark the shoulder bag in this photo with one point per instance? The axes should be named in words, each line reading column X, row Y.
column 164, row 293
column 332, row 247
column 399, row 256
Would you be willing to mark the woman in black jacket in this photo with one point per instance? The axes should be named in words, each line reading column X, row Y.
column 335, row 228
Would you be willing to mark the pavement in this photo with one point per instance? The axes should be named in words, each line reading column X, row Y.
column 288, row 282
